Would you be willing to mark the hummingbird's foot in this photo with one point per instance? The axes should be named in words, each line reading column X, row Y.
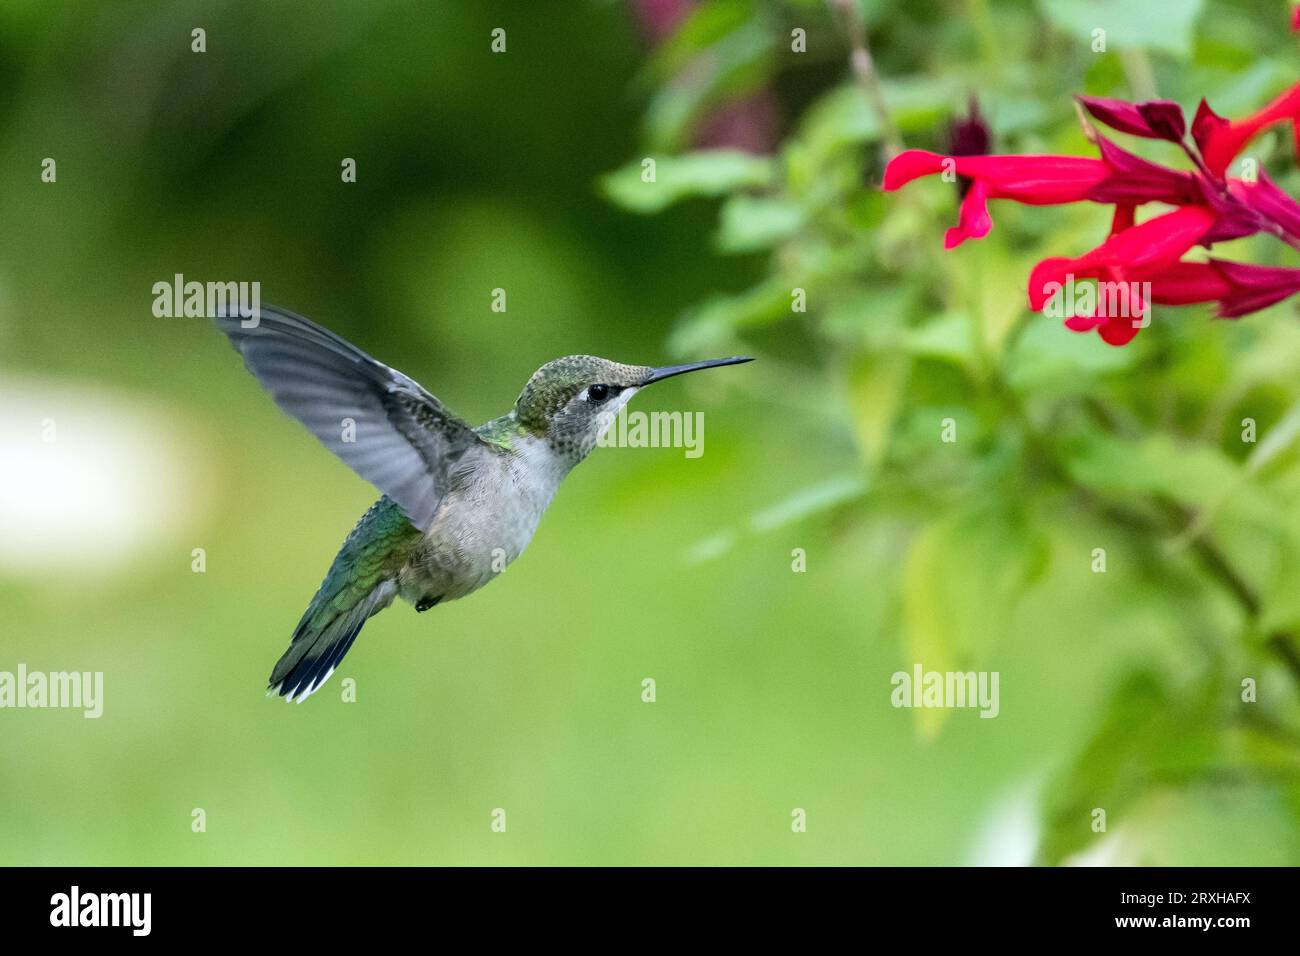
column 427, row 602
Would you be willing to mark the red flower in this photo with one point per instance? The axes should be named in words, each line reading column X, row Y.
column 1154, row 119
column 1118, row 177
column 1033, row 180
column 1133, row 180
column 1179, row 283
column 1238, row 288
column 1263, row 198
column 1118, row 321
column 1130, row 256
column 1220, row 140
column 1254, row 287
column 1138, row 265
column 1126, row 255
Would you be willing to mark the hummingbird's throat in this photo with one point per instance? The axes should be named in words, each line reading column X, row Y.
column 610, row 412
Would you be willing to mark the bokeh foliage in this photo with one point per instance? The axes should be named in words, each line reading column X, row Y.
column 1119, row 690
column 1065, row 444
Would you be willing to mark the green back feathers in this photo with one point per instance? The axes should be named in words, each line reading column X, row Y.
column 376, row 548
column 501, row 432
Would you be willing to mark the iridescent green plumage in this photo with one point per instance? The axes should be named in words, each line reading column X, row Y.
column 373, row 552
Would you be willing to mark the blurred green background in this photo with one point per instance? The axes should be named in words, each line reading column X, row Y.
column 521, row 170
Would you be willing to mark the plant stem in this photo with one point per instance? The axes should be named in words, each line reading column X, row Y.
column 864, row 68
column 1137, row 70
column 1282, row 643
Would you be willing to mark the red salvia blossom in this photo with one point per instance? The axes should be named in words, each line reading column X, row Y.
column 1131, row 256
column 1254, row 287
column 1034, row 180
column 1140, row 263
column 1127, row 255
column 1237, row 288
column 1270, row 203
column 1154, row 119
column 1220, row 140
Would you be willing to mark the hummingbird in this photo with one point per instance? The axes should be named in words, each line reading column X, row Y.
column 458, row 503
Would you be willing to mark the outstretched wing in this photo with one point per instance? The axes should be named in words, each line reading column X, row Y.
column 402, row 438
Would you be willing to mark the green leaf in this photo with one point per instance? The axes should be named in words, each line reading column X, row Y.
column 1093, row 779
column 674, row 178
column 1191, row 474
column 1178, row 783
column 749, row 224
column 962, row 577
column 1275, row 441
column 947, row 338
column 1049, row 356
column 704, row 27
column 874, row 316
column 824, row 496
column 1279, row 596
column 990, row 280
column 716, row 321
column 1166, row 25
column 723, row 50
column 875, row 386
column 809, row 501
column 844, row 117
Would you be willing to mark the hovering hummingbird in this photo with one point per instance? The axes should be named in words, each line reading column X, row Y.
column 459, row 503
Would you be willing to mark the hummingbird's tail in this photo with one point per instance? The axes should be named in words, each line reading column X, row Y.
column 321, row 639
column 362, row 581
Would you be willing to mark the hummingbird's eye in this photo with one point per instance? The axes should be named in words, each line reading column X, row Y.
column 597, row 393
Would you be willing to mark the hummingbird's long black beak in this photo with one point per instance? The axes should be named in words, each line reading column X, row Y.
column 668, row 371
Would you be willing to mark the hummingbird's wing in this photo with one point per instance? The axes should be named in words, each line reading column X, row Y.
column 402, row 438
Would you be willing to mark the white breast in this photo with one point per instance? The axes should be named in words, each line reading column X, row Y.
column 488, row 519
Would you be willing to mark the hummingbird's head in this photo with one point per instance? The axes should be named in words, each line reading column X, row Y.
column 573, row 400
